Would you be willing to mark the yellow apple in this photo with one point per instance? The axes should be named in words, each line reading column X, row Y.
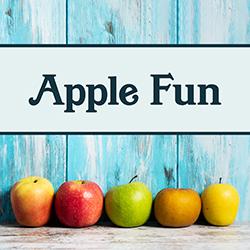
column 220, row 203
column 31, row 200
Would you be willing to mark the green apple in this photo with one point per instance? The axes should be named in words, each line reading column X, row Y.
column 129, row 205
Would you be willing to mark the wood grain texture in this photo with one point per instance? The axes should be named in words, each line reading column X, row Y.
column 214, row 21
column 109, row 237
column 119, row 21
column 27, row 21
column 203, row 159
column 21, row 156
column 114, row 160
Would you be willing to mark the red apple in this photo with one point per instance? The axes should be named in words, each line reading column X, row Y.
column 31, row 200
column 79, row 203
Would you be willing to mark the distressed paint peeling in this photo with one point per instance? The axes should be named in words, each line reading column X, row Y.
column 169, row 174
column 9, row 12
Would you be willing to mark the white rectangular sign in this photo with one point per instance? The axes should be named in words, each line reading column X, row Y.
column 124, row 89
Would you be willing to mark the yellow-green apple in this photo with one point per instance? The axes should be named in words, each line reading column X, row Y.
column 31, row 200
column 79, row 203
column 177, row 207
column 220, row 203
column 129, row 205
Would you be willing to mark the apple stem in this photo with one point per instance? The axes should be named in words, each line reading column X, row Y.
column 220, row 180
column 35, row 181
column 133, row 178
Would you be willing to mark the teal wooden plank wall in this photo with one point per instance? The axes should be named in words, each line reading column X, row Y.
column 160, row 161
column 31, row 22
column 204, row 159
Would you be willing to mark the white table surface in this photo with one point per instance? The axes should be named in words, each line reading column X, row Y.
column 110, row 237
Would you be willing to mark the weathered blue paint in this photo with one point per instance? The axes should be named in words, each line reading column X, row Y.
column 214, row 21
column 119, row 21
column 27, row 21
column 160, row 161
column 30, row 21
column 21, row 156
column 204, row 159
column 114, row 160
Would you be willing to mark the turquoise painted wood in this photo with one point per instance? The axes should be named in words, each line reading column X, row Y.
column 204, row 159
column 214, row 21
column 114, row 160
column 119, row 21
column 30, row 22
column 160, row 161
column 21, row 156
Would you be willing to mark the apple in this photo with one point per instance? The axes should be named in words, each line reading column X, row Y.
column 129, row 205
column 177, row 207
column 220, row 204
column 79, row 203
column 31, row 200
